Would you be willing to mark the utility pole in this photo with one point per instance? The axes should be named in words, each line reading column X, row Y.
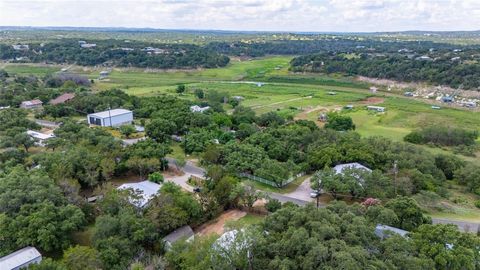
column 395, row 172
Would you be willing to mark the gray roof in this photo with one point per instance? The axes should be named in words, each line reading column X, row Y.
column 383, row 231
column 106, row 114
column 355, row 165
column 182, row 232
column 147, row 190
column 19, row 257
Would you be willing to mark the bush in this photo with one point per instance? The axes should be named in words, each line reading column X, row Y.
column 156, row 177
column 477, row 203
column 273, row 205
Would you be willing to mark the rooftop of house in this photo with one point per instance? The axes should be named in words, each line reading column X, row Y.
column 383, row 231
column 196, row 108
column 182, row 232
column 146, row 189
column 110, row 113
column 19, row 258
column 39, row 135
column 62, row 98
column 32, row 102
column 355, row 165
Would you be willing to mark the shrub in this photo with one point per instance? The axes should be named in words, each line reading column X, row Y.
column 477, row 203
column 156, row 177
column 273, row 205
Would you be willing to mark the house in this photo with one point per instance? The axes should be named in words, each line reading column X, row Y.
column 21, row 47
column 20, row 259
column 111, row 118
column 436, row 107
column 349, row 107
column 424, row 58
column 62, row 98
column 470, row 104
column 408, row 94
column 31, row 104
column 355, row 165
column 447, row 99
column 104, row 74
column 40, row 137
column 182, row 233
column 332, row 93
column 376, row 108
column 384, row 231
column 238, row 98
column 88, row 45
column 146, row 189
column 196, row 108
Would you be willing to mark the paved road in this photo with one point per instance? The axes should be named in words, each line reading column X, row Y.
column 296, row 197
column 462, row 225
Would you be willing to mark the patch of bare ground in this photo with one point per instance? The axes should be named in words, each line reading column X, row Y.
column 372, row 100
column 217, row 226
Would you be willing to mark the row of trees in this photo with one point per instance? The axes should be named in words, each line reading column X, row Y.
column 110, row 52
column 443, row 136
column 441, row 71
column 338, row 237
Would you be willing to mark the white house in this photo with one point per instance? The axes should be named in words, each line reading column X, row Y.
column 111, row 118
column 184, row 232
column 196, row 108
column 20, row 259
column 40, row 137
column 341, row 167
column 146, row 189
column 385, row 231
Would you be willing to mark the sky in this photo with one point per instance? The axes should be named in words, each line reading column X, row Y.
column 257, row 15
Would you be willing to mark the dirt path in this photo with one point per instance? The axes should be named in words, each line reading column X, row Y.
column 372, row 100
column 280, row 102
column 218, row 225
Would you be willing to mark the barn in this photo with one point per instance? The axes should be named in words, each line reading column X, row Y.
column 111, row 118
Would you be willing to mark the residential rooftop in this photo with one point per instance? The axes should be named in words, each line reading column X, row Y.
column 147, row 190
column 19, row 258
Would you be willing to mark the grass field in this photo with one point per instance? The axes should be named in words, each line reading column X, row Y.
column 302, row 95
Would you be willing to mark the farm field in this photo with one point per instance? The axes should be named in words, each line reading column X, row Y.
column 299, row 96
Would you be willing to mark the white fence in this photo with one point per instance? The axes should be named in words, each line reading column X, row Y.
column 269, row 182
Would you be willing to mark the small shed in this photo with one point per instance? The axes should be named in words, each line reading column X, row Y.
column 40, row 137
column 323, row 117
column 447, row 99
column 20, row 259
column 31, row 104
column 349, row 107
column 376, row 108
column 111, row 118
column 385, row 231
column 182, row 233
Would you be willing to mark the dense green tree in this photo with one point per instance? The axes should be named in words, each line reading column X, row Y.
column 339, row 122
column 81, row 258
column 409, row 214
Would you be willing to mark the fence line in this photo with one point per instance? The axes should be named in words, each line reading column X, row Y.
column 269, row 182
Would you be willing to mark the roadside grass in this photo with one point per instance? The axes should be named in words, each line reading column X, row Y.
column 287, row 189
column 247, row 220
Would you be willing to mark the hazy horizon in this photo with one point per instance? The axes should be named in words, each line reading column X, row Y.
column 321, row 16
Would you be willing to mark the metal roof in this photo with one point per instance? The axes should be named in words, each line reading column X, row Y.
column 147, row 189
column 19, row 258
column 110, row 113
column 384, row 231
column 355, row 165
column 39, row 135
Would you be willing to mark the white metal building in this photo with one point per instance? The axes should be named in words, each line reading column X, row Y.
column 111, row 118
column 20, row 259
column 341, row 167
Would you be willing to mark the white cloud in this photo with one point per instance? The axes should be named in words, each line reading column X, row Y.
column 279, row 15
